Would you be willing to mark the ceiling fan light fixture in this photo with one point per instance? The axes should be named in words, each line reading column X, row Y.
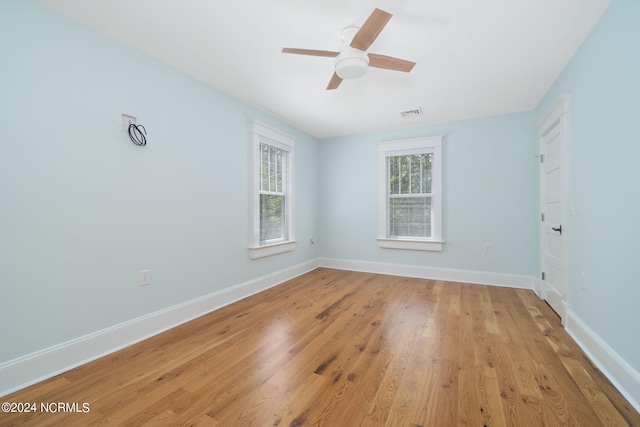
column 351, row 63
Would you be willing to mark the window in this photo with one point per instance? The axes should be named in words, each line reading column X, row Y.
column 272, row 195
column 273, row 176
column 411, row 194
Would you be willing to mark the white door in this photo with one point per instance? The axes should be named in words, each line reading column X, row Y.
column 553, row 235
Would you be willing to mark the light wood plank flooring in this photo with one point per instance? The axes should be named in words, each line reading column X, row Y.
column 338, row 348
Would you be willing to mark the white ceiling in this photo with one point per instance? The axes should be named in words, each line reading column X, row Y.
column 474, row 58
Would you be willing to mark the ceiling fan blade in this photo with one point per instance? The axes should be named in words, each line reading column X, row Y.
column 369, row 31
column 311, row 52
column 390, row 63
column 334, row 82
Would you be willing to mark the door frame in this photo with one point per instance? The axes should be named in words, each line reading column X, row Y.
column 555, row 116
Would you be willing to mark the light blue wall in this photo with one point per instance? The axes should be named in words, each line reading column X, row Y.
column 603, row 83
column 489, row 186
column 83, row 210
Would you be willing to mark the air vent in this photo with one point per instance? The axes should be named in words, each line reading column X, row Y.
column 411, row 113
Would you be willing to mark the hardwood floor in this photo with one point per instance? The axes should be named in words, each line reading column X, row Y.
column 338, row 348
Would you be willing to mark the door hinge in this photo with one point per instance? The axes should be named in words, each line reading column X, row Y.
column 542, row 217
column 541, row 158
column 543, row 276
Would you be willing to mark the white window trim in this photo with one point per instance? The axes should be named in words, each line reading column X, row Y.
column 284, row 142
column 401, row 147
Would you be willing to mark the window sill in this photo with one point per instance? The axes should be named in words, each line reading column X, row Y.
column 273, row 249
column 414, row 245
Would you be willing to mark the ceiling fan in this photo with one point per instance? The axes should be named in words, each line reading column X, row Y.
column 352, row 61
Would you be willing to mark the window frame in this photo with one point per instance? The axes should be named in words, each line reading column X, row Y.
column 261, row 133
column 422, row 145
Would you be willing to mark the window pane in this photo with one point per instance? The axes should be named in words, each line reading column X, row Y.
column 405, row 163
column 426, row 160
column 280, row 155
column 273, row 161
column 272, row 169
column 264, row 167
column 394, row 175
column 410, row 174
column 410, row 217
column 272, row 218
column 415, row 177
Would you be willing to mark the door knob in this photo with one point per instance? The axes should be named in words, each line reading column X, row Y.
column 559, row 229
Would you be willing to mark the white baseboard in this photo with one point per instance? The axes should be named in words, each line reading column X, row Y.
column 615, row 368
column 35, row 367
column 38, row 366
column 466, row 276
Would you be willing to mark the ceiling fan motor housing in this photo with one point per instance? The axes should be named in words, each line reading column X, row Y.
column 351, row 63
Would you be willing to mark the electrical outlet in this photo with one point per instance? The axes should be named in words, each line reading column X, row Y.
column 145, row 277
column 126, row 120
column 583, row 281
column 487, row 248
